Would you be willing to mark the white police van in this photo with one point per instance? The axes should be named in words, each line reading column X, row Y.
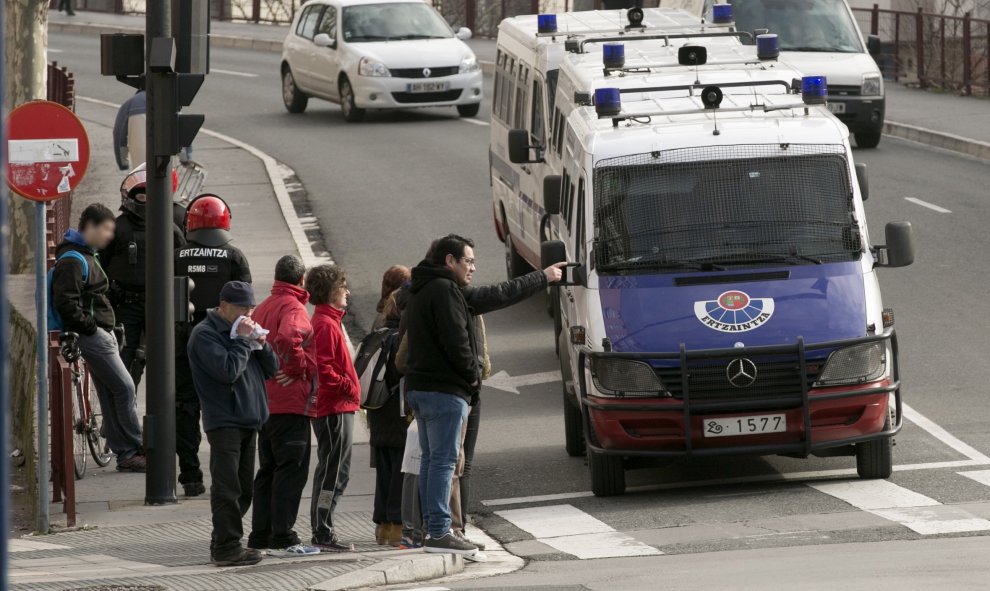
column 722, row 295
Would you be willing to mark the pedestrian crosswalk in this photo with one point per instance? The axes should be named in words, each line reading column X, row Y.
column 566, row 524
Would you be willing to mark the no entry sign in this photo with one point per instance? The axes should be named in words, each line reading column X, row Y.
column 47, row 151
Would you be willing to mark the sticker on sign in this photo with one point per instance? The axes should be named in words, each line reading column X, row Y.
column 34, row 151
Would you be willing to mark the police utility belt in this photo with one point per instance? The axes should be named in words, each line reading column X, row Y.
column 128, row 296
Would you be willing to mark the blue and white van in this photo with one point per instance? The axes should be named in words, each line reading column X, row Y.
column 722, row 295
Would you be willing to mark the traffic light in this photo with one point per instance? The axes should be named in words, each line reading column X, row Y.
column 172, row 130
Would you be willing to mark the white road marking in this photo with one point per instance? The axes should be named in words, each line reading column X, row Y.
column 511, row 384
column 232, row 73
column 930, row 206
column 570, row 530
column 475, row 121
column 981, row 476
column 537, row 499
column 944, row 436
column 53, row 50
column 25, row 545
column 913, row 510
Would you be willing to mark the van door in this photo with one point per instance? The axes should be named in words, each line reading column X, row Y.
column 572, row 232
column 531, row 114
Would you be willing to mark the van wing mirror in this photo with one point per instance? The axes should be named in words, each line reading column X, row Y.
column 552, row 186
column 864, row 180
column 873, row 45
column 899, row 249
column 553, row 252
column 519, row 148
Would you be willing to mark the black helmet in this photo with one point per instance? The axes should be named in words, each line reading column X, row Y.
column 134, row 184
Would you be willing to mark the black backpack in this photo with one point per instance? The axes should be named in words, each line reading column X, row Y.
column 374, row 357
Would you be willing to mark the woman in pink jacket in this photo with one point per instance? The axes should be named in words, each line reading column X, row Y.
column 338, row 397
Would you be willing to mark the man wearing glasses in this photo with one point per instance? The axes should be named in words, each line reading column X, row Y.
column 230, row 360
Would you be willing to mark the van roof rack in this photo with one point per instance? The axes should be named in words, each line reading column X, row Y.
column 573, row 34
column 577, row 45
column 648, row 67
column 584, row 98
column 753, row 107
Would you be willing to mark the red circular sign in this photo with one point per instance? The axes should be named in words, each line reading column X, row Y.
column 47, row 151
column 733, row 300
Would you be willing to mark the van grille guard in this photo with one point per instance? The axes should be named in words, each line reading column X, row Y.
column 804, row 447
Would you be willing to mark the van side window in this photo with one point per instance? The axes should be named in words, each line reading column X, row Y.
column 497, row 104
column 559, row 133
column 565, row 180
column 570, row 205
column 537, row 124
column 522, row 89
column 508, row 89
column 307, row 22
column 552, row 77
column 579, row 223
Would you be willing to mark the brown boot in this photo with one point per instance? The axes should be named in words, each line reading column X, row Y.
column 393, row 534
column 380, row 533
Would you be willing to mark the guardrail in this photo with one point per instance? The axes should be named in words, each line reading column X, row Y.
column 932, row 50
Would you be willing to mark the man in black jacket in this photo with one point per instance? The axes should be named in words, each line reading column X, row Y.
column 230, row 360
column 79, row 297
column 443, row 374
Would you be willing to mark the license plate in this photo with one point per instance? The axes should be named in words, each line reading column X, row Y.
column 427, row 86
column 837, row 108
column 752, row 425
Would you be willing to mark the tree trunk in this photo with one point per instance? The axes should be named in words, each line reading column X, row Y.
column 26, row 63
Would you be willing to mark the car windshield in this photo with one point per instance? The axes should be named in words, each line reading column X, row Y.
column 393, row 22
column 725, row 207
column 801, row 25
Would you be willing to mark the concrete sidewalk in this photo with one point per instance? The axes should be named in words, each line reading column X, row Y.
column 122, row 543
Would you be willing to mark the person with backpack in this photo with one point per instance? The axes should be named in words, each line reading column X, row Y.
column 284, row 441
column 79, row 303
column 338, row 399
column 386, row 420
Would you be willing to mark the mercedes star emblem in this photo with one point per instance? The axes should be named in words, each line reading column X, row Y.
column 427, row 72
column 741, row 372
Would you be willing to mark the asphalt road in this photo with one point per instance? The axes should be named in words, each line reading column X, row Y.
column 383, row 189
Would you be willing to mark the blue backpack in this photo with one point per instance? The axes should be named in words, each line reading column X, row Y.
column 54, row 320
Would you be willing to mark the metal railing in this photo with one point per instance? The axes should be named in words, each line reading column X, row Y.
column 937, row 51
column 255, row 11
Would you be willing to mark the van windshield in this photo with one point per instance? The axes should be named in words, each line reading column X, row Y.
column 393, row 22
column 802, row 25
column 733, row 206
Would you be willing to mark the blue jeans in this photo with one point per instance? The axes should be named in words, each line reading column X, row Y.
column 439, row 417
column 115, row 389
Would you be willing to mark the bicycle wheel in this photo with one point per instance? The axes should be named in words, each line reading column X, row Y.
column 94, row 430
column 78, row 429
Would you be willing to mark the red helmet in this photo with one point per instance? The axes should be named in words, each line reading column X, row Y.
column 208, row 220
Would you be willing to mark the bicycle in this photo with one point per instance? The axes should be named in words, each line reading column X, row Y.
column 87, row 416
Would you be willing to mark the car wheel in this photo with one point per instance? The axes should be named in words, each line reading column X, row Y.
column 295, row 100
column 351, row 113
column 469, row 110
column 875, row 459
column 515, row 265
column 573, row 427
column 867, row 139
column 608, row 474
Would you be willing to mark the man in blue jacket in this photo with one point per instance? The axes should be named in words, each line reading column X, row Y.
column 230, row 360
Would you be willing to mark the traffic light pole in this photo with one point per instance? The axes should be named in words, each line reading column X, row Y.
column 159, row 420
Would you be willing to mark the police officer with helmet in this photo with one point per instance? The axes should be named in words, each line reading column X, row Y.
column 124, row 262
column 210, row 261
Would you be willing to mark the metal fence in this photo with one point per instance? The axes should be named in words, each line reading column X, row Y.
column 61, row 90
column 937, row 51
column 256, row 11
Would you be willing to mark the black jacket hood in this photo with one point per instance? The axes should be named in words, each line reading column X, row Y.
column 425, row 272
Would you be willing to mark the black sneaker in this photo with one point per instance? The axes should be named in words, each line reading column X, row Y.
column 331, row 544
column 462, row 536
column 449, row 543
column 242, row 557
column 193, row 489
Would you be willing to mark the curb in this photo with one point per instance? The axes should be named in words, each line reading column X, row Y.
column 938, row 139
column 225, row 41
column 396, row 569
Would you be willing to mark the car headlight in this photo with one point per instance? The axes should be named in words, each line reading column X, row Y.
column 857, row 364
column 469, row 64
column 372, row 67
column 625, row 378
column 872, row 85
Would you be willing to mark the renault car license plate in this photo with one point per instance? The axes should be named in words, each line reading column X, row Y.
column 752, row 425
column 427, row 86
column 837, row 108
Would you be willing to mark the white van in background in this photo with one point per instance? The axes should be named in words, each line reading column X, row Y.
column 822, row 36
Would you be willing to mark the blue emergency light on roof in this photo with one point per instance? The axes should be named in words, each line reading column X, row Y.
column 607, row 102
column 614, row 55
column 546, row 23
column 767, row 46
column 814, row 90
column 722, row 13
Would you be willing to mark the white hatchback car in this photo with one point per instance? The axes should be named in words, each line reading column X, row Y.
column 378, row 54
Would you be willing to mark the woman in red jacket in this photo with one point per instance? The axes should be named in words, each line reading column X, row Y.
column 338, row 398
